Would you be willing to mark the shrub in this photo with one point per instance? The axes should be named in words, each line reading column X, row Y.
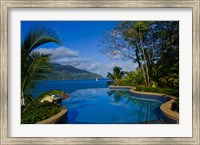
column 39, row 111
column 168, row 91
column 133, row 78
column 126, row 82
column 175, row 106
column 172, row 81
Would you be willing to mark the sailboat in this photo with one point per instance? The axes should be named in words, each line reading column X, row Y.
column 96, row 79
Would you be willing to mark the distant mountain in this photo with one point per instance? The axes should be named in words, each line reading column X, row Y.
column 68, row 72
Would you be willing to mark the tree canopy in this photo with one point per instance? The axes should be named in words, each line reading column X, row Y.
column 153, row 45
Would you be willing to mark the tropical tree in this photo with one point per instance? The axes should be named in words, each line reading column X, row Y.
column 150, row 44
column 33, row 63
column 128, row 41
column 116, row 77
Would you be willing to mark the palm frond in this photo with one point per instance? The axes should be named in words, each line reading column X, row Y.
column 116, row 76
column 110, row 76
column 116, row 72
column 36, row 64
column 37, row 36
column 33, row 64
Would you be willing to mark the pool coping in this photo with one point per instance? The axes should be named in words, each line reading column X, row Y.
column 54, row 118
column 171, row 116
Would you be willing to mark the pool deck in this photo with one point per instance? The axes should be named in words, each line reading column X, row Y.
column 170, row 116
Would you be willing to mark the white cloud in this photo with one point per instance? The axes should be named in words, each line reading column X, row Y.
column 66, row 56
column 72, row 61
column 103, row 69
column 95, row 66
column 58, row 53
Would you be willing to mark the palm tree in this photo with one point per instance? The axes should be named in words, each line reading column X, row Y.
column 116, row 76
column 142, row 24
column 33, row 63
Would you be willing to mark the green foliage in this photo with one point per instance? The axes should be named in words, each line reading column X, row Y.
column 168, row 91
column 28, row 99
column 175, row 105
column 153, row 45
column 51, row 92
column 33, row 66
column 116, row 76
column 38, row 112
column 37, row 36
column 34, row 63
column 170, row 80
column 35, row 110
column 133, row 78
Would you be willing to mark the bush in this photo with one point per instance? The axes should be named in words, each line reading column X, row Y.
column 39, row 111
column 172, row 81
column 168, row 91
column 125, row 82
column 133, row 78
column 175, row 106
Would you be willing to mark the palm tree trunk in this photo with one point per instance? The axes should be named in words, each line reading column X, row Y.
column 142, row 66
column 137, row 56
column 145, row 60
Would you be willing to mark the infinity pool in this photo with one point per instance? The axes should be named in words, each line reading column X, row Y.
column 106, row 106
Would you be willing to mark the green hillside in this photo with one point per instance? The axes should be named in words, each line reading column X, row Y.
column 68, row 72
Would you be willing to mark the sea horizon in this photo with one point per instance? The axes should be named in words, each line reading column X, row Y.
column 68, row 86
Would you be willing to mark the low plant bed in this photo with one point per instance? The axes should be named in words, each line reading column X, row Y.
column 167, row 91
column 56, row 118
column 175, row 105
column 39, row 111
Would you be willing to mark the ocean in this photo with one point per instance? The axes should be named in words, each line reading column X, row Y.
column 68, row 86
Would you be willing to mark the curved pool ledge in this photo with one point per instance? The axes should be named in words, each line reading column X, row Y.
column 169, row 115
column 122, row 87
column 54, row 118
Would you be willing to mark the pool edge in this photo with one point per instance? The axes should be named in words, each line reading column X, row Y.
column 170, row 116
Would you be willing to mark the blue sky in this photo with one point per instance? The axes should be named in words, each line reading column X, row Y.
column 80, row 41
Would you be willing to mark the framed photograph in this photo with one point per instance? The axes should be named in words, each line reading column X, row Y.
column 100, row 72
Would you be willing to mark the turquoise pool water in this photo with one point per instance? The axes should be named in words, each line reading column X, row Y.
column 92, row 102
column 105, row 106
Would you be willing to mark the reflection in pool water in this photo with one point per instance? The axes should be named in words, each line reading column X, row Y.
column 105, row 106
